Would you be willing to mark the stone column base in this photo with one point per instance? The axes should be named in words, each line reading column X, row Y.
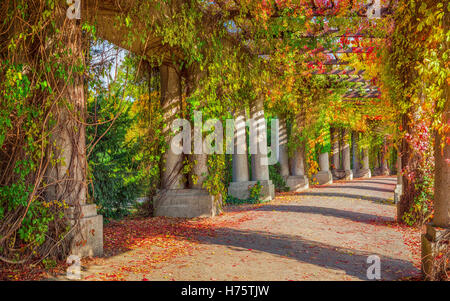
column 241, row 190
column 348, row 175
column 431, row 249
column 398, row 193
column 297, row 183
column 341, row 174
column 324, row 177
column 364, row 173
column 186, row 203
column 385, row 172
column 337, row 174
column 88, row 235
column 381, row 172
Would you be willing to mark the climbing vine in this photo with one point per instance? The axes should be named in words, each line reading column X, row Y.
column 227, row 54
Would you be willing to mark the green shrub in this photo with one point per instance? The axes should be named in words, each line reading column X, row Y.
column 114, row 161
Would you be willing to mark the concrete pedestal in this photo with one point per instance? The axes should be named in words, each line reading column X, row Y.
column 340, row 174
column 241, row 190
column 398, row 193
column 187, row 203
column 364, row 173
column 324, row 177
column 88, row 232
column 337, row 174
column 297, row 183
column 431, row 249
column 348, row 175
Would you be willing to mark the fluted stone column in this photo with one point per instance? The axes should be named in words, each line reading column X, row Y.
column 240, row 156
column 298, row 162
column 198, row 158
column 324, row 175
column 199, row 172
column 259, row 149
column 297, row 181
column 66, row 173
column 346, row 156
column 240, row 186
column 384, row 169
column 324, row 164
column 365, row 171
column 399, row 187
column 258, row 141
column 335, row 151
column 355, row 154
column 440, row 224
column 198, row 202
column 171, row 174
column 174, row 198
column 241, row 181
column 291, row 169
column 442, row 179
column 283, row 159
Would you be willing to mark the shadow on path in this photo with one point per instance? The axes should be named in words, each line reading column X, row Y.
column 359, row 187
column 351, row 215
column 353, row 262
column 373, row 182
column 350, row 196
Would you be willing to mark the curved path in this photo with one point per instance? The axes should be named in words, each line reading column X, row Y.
column 323, row 233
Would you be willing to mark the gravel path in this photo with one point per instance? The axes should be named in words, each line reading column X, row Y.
column 323, row 233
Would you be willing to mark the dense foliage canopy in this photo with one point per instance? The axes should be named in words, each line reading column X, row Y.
column 303, row 57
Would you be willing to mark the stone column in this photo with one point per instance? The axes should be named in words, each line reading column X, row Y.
column 174, row 199
column 355, row 154
column 399, row 187
column 346, row 156
column 199, row 172
column 384, row 164
column 335, row 151
column 66, row 177
column 240, row 156
column 365, row 171
column 433, row 239
column 283, row 159
column 258, row 142
column 259, row 149
column 171, row 174
column 198, row 159
column 298, row 165
column 239, row 186
column 324, row 163
column 442, row 182
column 324, row 176
column 297, row 181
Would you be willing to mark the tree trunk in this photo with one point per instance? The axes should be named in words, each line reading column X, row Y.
column 442, row 173
column 409, row 163
column 66, row 175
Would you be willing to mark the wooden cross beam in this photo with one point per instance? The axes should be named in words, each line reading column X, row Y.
column 344, row 50
column 373, row 94
column 340, row 72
